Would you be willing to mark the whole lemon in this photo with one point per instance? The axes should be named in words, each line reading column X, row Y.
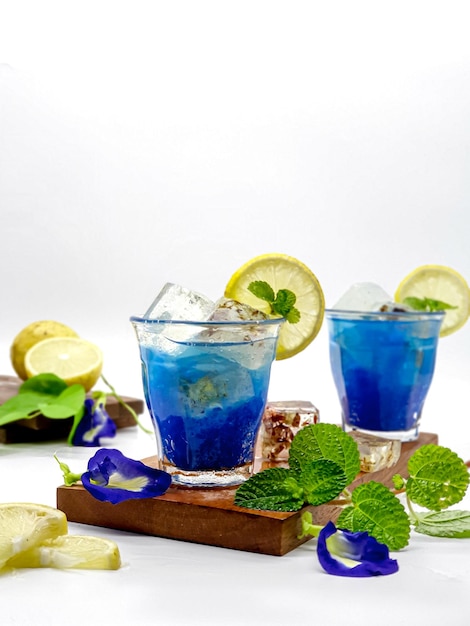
column 30, row 336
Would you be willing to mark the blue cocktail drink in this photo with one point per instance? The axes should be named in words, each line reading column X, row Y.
column 206, row 386
column 382, row 365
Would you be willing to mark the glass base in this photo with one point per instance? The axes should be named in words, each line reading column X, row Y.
column 400, row 435
column 209, row 478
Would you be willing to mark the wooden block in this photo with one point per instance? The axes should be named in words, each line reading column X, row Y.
column 43, row 429
column 209, row 516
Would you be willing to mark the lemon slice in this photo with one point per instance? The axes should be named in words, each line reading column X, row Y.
column 26, row 525
column 281, row 271
column 439, row 282
column 72, row 359
column 31, row 335
column 71, row 552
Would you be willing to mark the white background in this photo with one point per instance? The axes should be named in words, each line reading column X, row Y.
column 145, row 142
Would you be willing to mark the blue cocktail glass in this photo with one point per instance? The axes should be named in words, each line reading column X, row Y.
column 382, row 365
column 206, row 385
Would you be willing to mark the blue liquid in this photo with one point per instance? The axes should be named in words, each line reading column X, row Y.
column 207, row 407
column 382, row 370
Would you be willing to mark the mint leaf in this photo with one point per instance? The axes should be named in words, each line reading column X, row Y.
column 322, row 481
column 377, row 511
column 47, row 384
column 293, row 316
column 438, row 477
column 325, row 441
column 284, row 305
column 284, row 302
column 438, row 305
column 418, row 304
column 427, row 304
column 263, row 290
column 67, row 404
column 274, row 489
column 281, row 303
column 454, row 524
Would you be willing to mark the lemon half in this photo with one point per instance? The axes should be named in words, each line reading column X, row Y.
column 283, row 272
column 30, row 336
column 439, row 282
column 72, row 359
column 26, row 525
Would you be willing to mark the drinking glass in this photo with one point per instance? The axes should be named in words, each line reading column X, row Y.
column 205, row 385
column 382, row 365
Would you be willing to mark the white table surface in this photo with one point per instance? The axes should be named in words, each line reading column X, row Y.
column 164, row 581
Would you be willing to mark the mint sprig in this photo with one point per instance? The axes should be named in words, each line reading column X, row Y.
column 324, row 461
column 282, row 303
column 427, row 304
column 376, row 510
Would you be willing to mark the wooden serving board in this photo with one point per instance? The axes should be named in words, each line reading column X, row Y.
column 44, row 429
column 209, row 516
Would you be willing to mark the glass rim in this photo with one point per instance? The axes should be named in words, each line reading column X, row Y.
column 272, row 321
column 402, row 316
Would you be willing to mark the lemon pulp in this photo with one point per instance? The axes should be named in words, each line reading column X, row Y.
column 71, row 552
column 74, row 360
column 30, row 336
column 27, row 525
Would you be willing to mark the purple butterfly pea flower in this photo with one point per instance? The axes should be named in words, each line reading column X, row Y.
column 112, row 477
column 344, row 553
column 94, row 424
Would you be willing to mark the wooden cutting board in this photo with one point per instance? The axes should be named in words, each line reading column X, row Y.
column 209, row 516
column 43, row 429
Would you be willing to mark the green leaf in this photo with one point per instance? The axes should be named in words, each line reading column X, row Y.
column 438, row 305
column 293, row 316
column 325, row 441
column 285, row 300
column 438, row 477
column 44, row 384
column 19, row 407
column 377, row 511
column 427, row 304
column 454, row 524
column 418, row 304
column 67, row 404
column 261, row 289
column 322, row 481
column 274, row 489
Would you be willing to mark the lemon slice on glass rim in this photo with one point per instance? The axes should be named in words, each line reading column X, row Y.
column 282, row 272
column 438, row 282
column 75, row 360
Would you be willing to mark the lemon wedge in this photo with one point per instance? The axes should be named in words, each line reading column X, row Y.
column 71, row 552
column 281, row 271
column 72, row 359
column 31, row 335
column 26, row 525
column 439, row 282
